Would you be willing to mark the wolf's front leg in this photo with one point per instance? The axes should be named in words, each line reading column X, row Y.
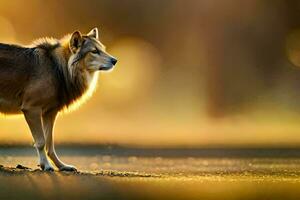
column 48, row 124
column 33, row 118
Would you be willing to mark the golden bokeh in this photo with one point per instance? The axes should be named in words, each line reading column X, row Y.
column 213, row 73
column 136, row 72
column 293, row 47
column 8, row 33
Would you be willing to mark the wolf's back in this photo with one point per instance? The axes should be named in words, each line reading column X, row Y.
column 16, row 65
column 14, row 57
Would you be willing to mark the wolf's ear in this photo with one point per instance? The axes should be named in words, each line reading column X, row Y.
column 75, row 41
column 94, row 33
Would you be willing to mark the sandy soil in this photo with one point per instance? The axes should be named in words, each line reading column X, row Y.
column 160, row 176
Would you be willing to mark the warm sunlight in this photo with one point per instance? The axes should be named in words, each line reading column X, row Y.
column 155, row 100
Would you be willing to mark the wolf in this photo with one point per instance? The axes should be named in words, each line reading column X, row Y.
column 46, row 77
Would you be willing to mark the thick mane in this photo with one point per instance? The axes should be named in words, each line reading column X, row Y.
column 71, row 87
column 46, row 43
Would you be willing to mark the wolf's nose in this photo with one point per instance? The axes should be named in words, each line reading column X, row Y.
column 114, row 61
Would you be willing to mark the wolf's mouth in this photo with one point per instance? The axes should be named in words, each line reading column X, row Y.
column 102, row 68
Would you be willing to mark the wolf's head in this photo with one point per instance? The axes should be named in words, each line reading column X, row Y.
column 89, row 52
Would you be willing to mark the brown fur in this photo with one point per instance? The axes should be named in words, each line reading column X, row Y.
column 45, row 77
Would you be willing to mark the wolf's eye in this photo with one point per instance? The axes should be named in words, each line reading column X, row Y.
column 95, row 51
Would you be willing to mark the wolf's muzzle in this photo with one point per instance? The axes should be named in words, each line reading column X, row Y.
column 111, row 63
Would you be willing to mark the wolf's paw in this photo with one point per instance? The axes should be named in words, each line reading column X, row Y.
column 68, row 168
column 47, row 168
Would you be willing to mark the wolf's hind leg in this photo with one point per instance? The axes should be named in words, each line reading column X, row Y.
column 33, row 118
column 48, row 124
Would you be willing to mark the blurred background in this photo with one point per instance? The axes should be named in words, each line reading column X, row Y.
column 190, row 73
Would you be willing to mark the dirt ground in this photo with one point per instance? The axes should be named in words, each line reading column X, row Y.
column 156, row 175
